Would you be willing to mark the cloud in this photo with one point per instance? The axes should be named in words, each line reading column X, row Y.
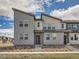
column 72, row 13
column 47, row 2
column 60, row 1
column 7, row 32
column 25, row 5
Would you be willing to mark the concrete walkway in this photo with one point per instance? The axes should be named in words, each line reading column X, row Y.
column 38, row 48
column 72, row 48
column 37, row 52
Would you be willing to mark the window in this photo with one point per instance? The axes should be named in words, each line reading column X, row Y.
column 53, row 27
column 54, row 36
column 26, row 37
column 75, row 37
column 69, row 26
column 62, row 25
column 44, row 28
column 21, row 37
column 74, row 26
column 20, row 24
column 49, row 28
column 38, row 24
column 71, row 38
column 26, row 25
column 47, row 36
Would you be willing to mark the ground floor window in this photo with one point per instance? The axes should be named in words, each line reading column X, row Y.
column 75, row 37
column 71, row 38
column 54, row 36
column 26, row 36
column 47, row 36
column 21, row 37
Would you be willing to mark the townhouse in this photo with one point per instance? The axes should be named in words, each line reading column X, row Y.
column 47, row 30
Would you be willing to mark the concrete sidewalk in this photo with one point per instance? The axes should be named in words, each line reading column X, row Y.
column 37, row 52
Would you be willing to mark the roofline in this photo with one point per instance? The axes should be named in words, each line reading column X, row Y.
column 70, row 21
column 23, row 12
column 51, row 16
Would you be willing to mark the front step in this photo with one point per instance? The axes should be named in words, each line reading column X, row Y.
column 38, row 48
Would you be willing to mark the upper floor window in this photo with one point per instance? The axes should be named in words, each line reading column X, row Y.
column 75, row 26
column 48, row 26
column 26, row 25
column 21, row 24
column 62, row 25
column 53, row 27
column 38, row 24
column 72, row 26
column 69, row 26
column 44, row 27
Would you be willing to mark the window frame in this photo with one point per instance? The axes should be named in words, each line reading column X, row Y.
column 62, row 26
column 47, row 36
column 25, row 25
column 21, row 37
column 25, row 36
column 38, row 24
column 20, row 23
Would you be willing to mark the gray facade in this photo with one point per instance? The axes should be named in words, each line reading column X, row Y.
column 45, row 31
column 23, row 28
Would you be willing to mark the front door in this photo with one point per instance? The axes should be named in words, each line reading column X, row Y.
column 38, row 40
column 65, row 39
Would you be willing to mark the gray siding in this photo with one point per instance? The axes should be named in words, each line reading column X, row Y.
column 25, row 18
column 58, row 41
column 59, row 36
column 50, row 20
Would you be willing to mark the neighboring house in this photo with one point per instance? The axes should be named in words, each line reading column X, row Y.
column 45, row 31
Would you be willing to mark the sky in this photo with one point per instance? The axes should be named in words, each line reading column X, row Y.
column 64, row 9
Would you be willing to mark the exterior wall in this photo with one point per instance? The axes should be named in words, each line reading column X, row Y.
column 50, row 20
column 25, row 18
column 58, row 41
column 73, row 41
column 41, row 25
column 59, row 36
